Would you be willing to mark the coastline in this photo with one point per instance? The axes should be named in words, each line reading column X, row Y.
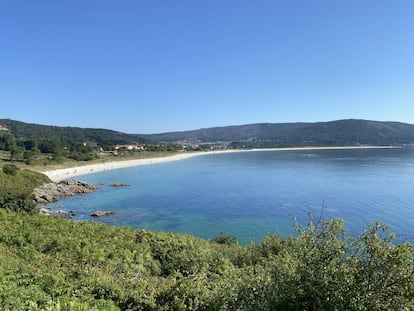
column 66, row 173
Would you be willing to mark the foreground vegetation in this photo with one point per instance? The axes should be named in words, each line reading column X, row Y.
column 56, row 264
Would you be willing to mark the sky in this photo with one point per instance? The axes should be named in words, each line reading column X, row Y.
column 151, row 66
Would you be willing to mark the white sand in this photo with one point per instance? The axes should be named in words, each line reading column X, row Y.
column 66, row 173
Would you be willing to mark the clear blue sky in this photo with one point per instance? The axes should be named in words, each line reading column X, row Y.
column 156, row 66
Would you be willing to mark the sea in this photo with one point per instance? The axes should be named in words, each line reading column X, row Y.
column 253, row 194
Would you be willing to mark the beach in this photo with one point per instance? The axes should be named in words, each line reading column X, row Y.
column 68, row 173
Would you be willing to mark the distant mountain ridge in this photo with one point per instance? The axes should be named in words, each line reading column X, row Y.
column 340, row 132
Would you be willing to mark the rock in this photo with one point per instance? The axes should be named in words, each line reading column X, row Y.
column 45, row 212
column 117, row 185
column 102, row 213
column 62, row 214
column 52, row 192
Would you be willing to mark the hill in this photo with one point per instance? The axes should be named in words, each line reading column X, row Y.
column 341, row 132
column 36, row 131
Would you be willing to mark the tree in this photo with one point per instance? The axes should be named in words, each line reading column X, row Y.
column 384, row 272
column 16, row 152
column 6, row 141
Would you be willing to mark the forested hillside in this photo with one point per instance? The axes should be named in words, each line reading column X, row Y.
column 342, row 132
column 36, row 131
column 334, row 133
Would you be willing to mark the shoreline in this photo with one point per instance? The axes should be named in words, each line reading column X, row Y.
column 66, row 173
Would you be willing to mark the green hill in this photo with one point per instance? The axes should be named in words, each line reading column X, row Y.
column 341, row 132
column 36, row 131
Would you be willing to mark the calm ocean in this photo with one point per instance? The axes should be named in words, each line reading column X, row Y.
column 252, row 194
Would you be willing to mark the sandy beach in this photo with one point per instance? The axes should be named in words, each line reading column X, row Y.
column 67, row 173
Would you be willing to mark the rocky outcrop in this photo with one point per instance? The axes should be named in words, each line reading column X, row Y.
column 117, row 185
column 56, row 213
column 52, row 192
column 102, row 213
column 45, row 212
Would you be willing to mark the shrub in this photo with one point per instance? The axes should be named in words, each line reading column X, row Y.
column 10, row 169
column 224, row 238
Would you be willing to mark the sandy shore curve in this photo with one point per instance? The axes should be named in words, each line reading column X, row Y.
column 66, row 173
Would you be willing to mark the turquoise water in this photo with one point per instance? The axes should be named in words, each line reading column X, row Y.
column 252, row 194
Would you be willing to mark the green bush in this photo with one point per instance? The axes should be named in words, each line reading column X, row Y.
column 10, row 169
column 16, row 189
